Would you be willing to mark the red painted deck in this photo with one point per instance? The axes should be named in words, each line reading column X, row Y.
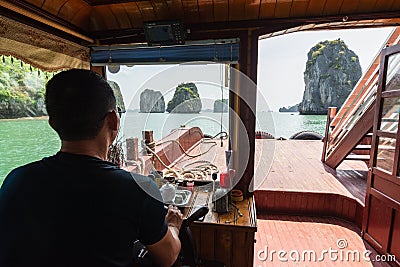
column 299, row 183
column 299, row 233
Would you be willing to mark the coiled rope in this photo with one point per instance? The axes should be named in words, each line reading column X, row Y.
column 198, row 172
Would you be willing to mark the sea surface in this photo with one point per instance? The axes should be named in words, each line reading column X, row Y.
column 26, row 140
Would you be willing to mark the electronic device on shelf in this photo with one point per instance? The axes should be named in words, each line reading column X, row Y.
column 164, row 32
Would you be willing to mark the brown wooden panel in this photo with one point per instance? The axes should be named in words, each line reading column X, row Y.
column 267, row 9
column 315, row 7
column 236, row 10
column 390, row 189
column 384, row 5
column 191, row 10
column 394, row 247
column 379, row 221
column 196, row 234
column 206, row 10
column 53, row 6
column 352, row 210
column 161, row 9
column 77, row 13
column 82, row 19
column 175, row 8
column 349, row 6
column 252, row 9
column 221, row 11
column 307, row 203
column 345, row 208
column 122, row 16
column 299, row 8
column 282, row 9
column 37, row 3
column 147, row 11
column 366, row 5
column 223, row 244
column 103, row 19
column 134, row 14
column 240, row 243
column 207, row 243
column 332, row 7
column 396, row 5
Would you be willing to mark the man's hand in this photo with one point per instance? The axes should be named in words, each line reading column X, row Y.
column 167, row 249
column 174, row 217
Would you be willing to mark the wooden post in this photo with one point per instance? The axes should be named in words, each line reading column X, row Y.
column 148, row 140
column 331, row 114
column 132, row 149
column 242, row 100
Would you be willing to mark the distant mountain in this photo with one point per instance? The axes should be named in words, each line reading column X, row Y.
column 221, row 105
column 294, row 108
column 152, row 102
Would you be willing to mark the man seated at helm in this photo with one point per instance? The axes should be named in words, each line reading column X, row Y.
column 74, row 208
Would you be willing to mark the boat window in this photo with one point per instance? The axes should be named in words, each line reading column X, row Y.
column 393, row 73
column 385, row 153
column 390, row 114
column 163, row 98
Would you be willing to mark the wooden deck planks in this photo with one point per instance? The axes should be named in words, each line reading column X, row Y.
column 296, row 167
column 282, row 232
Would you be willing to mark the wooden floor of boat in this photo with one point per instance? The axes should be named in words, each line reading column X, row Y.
column 295, row 166
column 283, row 232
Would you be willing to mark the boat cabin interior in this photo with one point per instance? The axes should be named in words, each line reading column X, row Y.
column 301, row 201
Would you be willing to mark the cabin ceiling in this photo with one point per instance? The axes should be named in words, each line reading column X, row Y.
column 118, row 17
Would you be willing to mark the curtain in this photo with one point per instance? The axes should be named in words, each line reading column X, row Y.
column 40, row 49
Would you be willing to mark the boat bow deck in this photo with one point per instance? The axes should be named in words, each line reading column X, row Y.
column 297, row 182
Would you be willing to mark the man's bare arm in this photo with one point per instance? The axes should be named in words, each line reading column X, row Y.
column 166, row 251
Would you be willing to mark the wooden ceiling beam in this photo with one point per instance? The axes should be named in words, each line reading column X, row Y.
column 110, row 2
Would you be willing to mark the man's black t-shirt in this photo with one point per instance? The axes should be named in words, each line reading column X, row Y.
column 75, row 210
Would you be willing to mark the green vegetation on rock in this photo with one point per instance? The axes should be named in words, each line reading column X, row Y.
column 22, row 89
column 185, row 100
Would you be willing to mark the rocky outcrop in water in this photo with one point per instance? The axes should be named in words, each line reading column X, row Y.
column 221, row 106
column 118, row 95
column 152, row 102
column 331, row 73
column 21, row 101
column 185, row 100
column 294, row 108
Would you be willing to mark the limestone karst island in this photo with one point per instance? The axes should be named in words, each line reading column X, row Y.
column 332, row 70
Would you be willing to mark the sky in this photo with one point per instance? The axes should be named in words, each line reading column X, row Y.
column 281, row 63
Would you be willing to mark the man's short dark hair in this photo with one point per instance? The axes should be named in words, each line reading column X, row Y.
column 77, row 102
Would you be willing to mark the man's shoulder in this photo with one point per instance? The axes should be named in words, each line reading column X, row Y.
column 19, row 175
column 25, row 168
column 143, row 182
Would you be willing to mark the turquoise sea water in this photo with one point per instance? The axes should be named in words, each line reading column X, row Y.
column 26, row 140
